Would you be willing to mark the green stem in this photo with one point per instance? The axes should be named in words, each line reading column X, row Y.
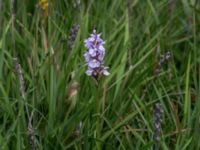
column 98, row 121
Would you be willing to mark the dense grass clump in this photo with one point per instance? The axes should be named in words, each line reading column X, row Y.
column 150, row 99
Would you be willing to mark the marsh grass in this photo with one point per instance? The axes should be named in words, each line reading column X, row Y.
column 136, row 33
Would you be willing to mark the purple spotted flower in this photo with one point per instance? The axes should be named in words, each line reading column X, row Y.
column 94, row 56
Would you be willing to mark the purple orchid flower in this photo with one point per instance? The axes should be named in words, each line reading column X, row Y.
column 94, row 56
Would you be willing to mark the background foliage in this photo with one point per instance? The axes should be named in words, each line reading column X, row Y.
column 50, row 103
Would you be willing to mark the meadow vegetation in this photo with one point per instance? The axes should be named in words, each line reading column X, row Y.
column 150, row 99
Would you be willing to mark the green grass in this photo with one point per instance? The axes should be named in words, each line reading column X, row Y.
column 136, row 34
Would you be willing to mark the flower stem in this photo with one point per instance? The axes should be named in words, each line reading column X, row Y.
column 98, row 121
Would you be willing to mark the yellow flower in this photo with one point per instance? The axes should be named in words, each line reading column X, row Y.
column 44, row 4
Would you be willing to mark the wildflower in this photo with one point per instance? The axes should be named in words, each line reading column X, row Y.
column 157, row 122
column 164, row 59
column 18, row 70
column 44, row 4
column 95, row 55
column 72, row 36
